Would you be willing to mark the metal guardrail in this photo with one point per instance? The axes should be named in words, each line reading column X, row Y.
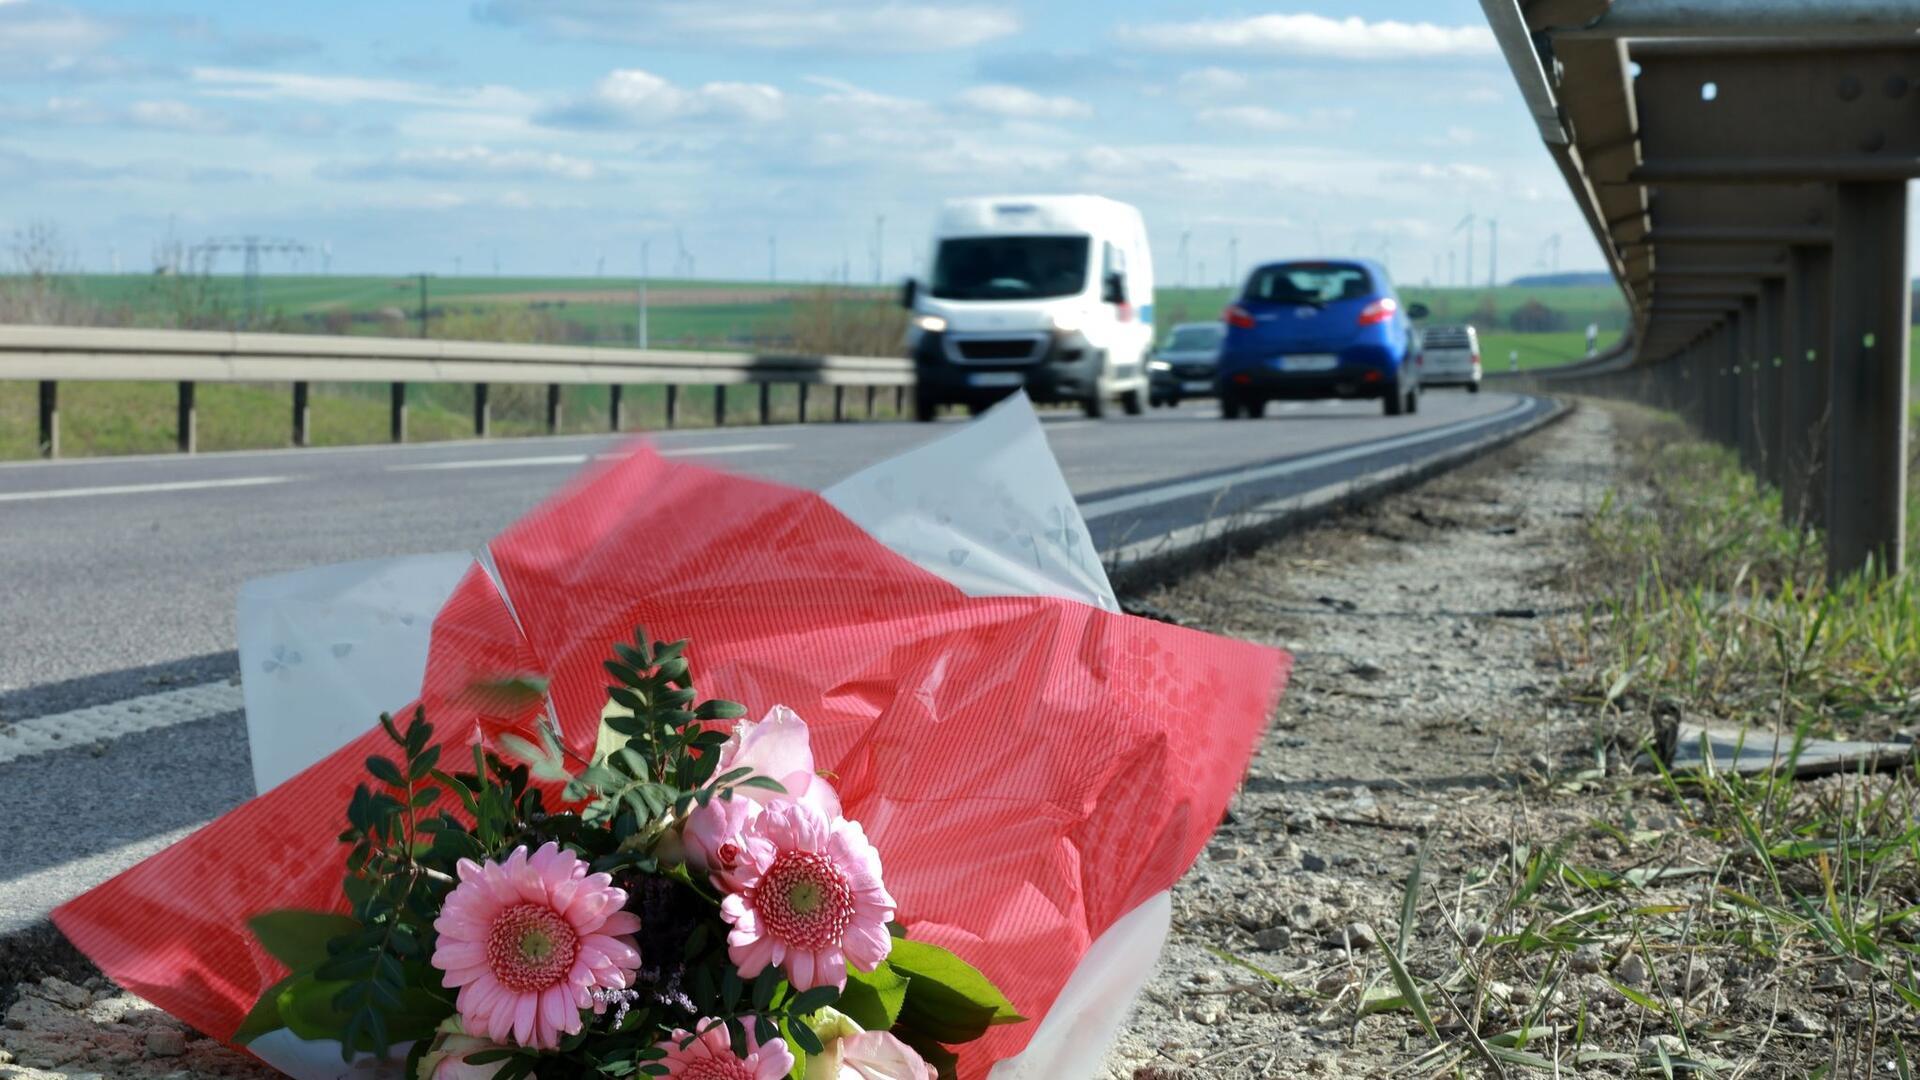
column 50, row 355
column 1743, row 165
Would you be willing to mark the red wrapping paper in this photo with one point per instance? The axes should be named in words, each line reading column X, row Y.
column 1030, row 768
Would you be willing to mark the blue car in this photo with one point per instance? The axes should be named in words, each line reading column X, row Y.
column 1322, row 329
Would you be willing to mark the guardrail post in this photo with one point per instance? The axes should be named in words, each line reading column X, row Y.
column 1771, row 375
column 839, row 404
column 186, row 428
column 482, row 412
column 872, row 392
column 899, row 400
column 397, row 412
column 49, row 419
column 1747, row 386
column 553, row 408
column 766, row 403
column 803, row 402
column 1803, row 415
column 720, row 405
column 1728, row 386
column 673, row 405
column 1867, row 435
column 302, row 415
column 614, row 408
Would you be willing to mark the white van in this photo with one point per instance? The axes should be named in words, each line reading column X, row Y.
column 1050, row 293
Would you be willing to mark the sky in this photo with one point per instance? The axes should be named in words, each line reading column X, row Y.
column 748, row 139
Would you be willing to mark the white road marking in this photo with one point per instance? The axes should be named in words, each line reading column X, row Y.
column 492, row 463
column 100, row 723
column 141, row 489
column 1167, row 493
column 581, row 459
column 731, row 448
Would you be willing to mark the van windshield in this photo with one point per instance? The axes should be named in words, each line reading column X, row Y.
column 1010, row 267
column 1309, row 283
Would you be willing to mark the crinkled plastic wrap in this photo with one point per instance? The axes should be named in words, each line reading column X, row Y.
column 1033, row 769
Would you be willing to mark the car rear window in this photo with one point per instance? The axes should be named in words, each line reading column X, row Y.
column 1195, row 338
column 1309, row 283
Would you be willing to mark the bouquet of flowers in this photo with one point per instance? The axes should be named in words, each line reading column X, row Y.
column 694, row 904
column 556, row 873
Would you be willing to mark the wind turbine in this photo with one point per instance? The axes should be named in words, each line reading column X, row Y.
column 1466, row 225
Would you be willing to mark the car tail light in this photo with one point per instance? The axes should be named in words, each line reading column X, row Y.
column 1379, row 311
column 1237, row 316
column 1371, row 376
column 1243, row 379
column 1476, row 359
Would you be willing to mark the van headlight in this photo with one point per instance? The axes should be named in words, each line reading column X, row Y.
column 1159, row 365
column 1066, row 321
column 931, row 324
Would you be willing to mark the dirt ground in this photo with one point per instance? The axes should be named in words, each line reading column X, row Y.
column 670, row 297
column 1429, row 723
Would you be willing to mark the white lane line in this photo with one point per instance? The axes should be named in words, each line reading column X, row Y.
column 141, row 489
column 492, row 463
column 98, row 723
column 731, row 448
column 581, row 459
column 1171, row 492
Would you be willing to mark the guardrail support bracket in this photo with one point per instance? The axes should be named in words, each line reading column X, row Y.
column 187, row 421
column 482, row 412
column 803, row 402
column 397, row 412
column 49, row 419
column 302, row 415
column 673, row 405
column 720, row 405
column 553, row 408
column 839, row 404
column 1867, row 438
column 615, row 418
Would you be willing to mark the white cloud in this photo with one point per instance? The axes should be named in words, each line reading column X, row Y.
column 630, row 97
column 473, row 162
column 176, row 116
column 1248, row 118
column 1210, row 84
column 140, row 115
column 1456, row 174
column 253, row 85
column 833, row 25
column 1015, row 102
column 1351, row 38
column 842, row 95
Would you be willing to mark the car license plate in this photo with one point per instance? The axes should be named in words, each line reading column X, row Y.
column 1310, row 362
column 1197, row 386
column 996, row 378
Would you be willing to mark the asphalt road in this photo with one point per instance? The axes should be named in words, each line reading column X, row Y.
column 118, row 576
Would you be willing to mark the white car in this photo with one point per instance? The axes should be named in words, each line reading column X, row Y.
column 1051, row 294
column 1450, row 356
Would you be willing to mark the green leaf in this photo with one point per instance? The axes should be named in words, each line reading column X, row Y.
column 805, row 1037
column 948, row 999
column 264, row 1016
column 873, row 998
column 385, row 771
column 812, row 1001
column 299, row 939
column 1410, row 993
column 720, row 710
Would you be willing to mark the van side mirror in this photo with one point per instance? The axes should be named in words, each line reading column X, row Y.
column 1115, row 291
column 1417, row 310
column 909, row 292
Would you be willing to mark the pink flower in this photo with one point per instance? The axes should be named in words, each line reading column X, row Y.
column 876, row 1055
column 807, row 898
column 712, row 836
column 779, row 747
column 528, row 940
column 710, row 1056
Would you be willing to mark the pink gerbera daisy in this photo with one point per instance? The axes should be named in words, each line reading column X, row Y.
column 807, row 898
column 528, row 940
column 710, row 1056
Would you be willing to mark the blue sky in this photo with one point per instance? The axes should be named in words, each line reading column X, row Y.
column 560, row 136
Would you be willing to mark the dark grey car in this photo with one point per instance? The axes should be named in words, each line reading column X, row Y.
column 1183, row 367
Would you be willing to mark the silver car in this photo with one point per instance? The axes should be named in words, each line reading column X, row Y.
column 1450, row 356
column 1184, row 367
